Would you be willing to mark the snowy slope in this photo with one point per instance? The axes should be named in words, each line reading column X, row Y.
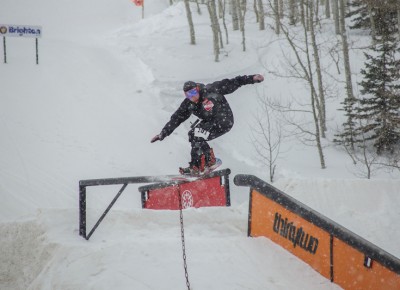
column 106, row 83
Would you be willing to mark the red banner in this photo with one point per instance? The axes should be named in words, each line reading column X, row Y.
column 138, row 2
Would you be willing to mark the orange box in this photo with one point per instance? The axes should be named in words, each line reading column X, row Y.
column 295, row 234
column 350, row 272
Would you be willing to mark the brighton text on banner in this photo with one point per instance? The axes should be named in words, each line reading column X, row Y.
column 20, row 30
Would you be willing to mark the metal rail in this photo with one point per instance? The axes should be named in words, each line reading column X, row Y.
column 161, row 180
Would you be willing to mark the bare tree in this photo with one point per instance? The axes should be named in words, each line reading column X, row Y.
column 242, row 14
column 267, row 136
column 364, row 158
column 302, row 14
column 345, row 49
column 261, row 18
column 303, row 69
column 256, row 11
column 292, row 12
column 335, row 10
column 321, row 93
column 235, row 17
column 198, row 7
column 190, row 21
column 224, row 22
column 281, row 9
column 372, row 20
column 327, row 9
column 215, row 27
column 350, row 99
column 276, row 15
column 220, row 8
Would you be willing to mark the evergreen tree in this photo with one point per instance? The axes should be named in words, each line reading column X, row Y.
column 359, row 15
column 379, row 107
column 361, row 11
column 347, row 138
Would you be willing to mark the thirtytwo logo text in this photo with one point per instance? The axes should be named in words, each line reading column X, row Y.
column 296, row 235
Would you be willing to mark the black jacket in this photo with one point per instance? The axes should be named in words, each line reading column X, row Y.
column 212, row 105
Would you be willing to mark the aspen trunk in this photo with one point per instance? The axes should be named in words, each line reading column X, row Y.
column 335, row 10
column 214, row 26
column 321, row 103
column 190, row 21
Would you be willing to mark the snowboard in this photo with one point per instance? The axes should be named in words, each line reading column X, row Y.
column 218, row 163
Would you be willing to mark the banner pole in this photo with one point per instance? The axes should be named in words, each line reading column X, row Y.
column 4, row 48
column 37, row 51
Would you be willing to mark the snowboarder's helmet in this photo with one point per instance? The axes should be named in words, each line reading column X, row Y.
column 189, row 85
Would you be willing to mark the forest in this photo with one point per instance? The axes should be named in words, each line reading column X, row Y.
column 370, row 134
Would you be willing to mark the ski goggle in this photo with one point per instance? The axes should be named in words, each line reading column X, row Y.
column 190, row 94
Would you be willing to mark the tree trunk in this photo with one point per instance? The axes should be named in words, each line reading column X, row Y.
column 220, row 9
column 306, row 72
column 214, row 26
column 281, row 12
column 198, row 7
column 335, row 10
column 398, row 19
column 190, row 21
column 321, row 103
column 235, row 17
column 256, row 11
column 372, row 22
column 242, row 14
column 302, row 13
column 261, row 17
column 224, row 23
column 276, row 15
column 345, row 48
column 292, row 17
column 314, row 105
column 327, row 9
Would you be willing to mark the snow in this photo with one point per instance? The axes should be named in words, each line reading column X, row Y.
column 106, row 83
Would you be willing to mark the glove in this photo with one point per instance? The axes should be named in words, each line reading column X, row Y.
column 258, row 78
column 158, row 137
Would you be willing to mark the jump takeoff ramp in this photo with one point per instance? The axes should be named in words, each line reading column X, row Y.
column 335, row 252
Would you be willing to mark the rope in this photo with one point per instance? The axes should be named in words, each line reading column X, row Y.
column 183, row 239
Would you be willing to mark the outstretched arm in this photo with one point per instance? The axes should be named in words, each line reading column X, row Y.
column 180, row 115
column 228, row 86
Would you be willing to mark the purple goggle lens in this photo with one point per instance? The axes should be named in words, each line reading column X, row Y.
column 192, row 93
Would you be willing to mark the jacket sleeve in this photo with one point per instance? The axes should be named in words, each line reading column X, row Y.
column 228, row 86
column 180, row 115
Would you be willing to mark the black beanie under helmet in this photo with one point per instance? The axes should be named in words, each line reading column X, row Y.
column 189, row 85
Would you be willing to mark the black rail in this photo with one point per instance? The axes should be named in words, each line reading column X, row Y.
column 161, row 181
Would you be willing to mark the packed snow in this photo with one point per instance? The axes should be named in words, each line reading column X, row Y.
column 106, row 83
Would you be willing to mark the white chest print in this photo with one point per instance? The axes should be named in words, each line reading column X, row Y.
column 199, row 132
column 208, row 105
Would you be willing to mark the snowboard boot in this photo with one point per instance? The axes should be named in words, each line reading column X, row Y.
column 210, row 158
column 191, row 170
column 194, row 169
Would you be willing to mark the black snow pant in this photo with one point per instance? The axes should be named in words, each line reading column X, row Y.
column 205, row 131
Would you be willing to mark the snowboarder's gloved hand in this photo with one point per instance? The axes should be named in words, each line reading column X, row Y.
column 258, row 78
column 158, row 137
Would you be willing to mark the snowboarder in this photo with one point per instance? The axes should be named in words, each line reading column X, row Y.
column 209, row 104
